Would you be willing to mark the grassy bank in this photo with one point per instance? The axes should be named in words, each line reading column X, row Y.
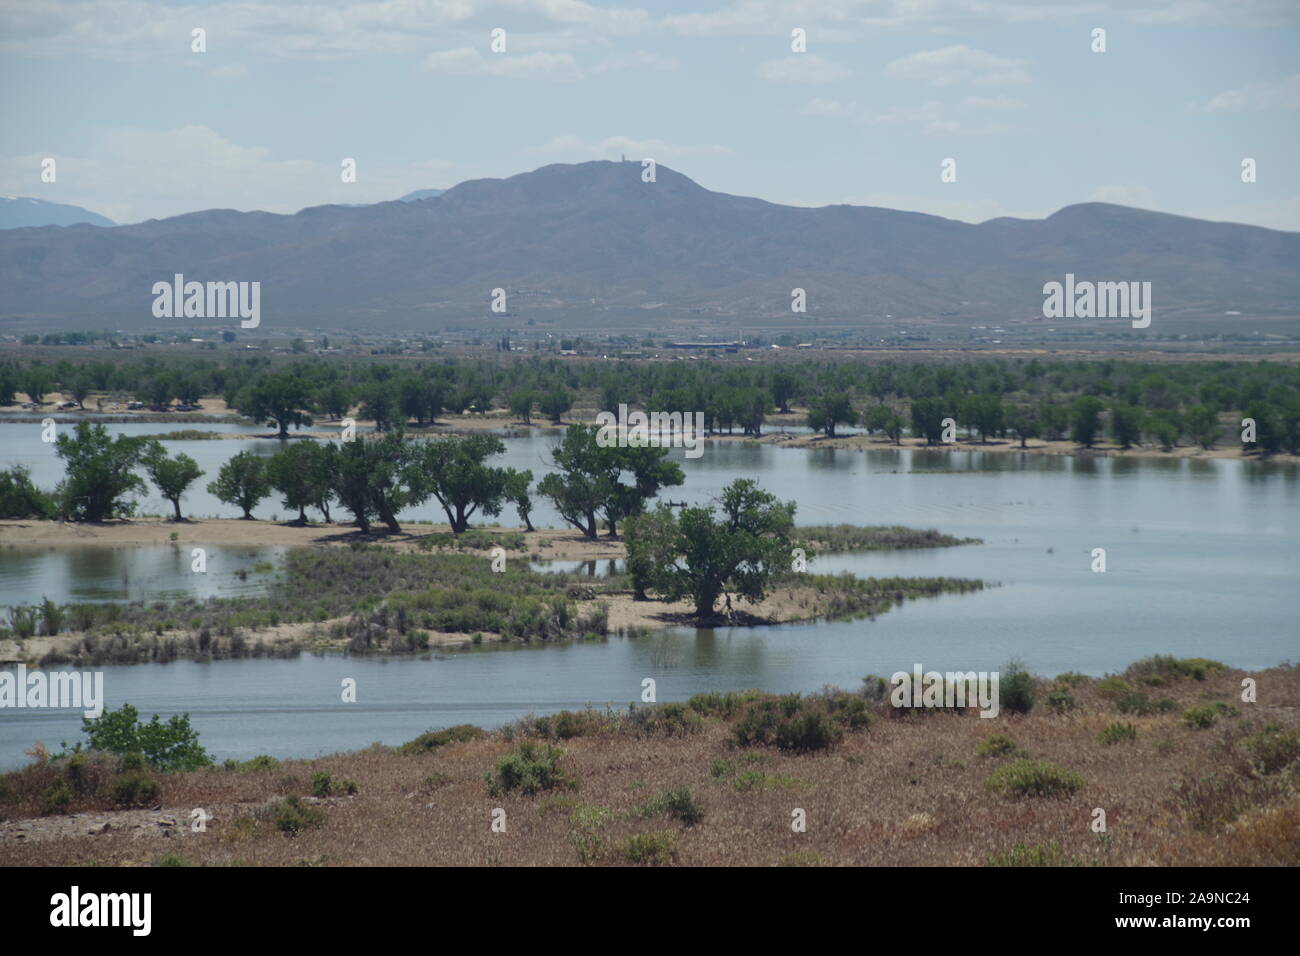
column 1194, row 776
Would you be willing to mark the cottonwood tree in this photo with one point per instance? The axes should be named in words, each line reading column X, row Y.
column 1086, row 420
column 555, row 403
column 281, row 399
column 302, row 474
column 171, row 476
column 927, row 419
column 242, row 481
column 589, row 482
column 516, row 492
column 828, row 411
column 701, row 554
column 377, row 478
column 100, row 473
column 453, row 471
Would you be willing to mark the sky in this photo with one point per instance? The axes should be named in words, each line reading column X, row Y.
column 142, row 126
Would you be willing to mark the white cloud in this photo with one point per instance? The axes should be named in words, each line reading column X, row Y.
column 612, row 147
column 820, row 107
column 934, row 118
column 1139, row 196
column 523, row 66
column 158, row 173
column 960, row 64
column 1280, row 95
column 802, row 68
column 635, row 60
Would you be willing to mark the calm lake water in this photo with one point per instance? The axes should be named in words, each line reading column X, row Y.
column 1202, row 560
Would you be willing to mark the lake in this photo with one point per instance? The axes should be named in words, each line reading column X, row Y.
column 1201, row 561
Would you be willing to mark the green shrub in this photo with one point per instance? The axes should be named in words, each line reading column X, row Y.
column 1201, row 716
column 169, row 747
column 171, row 859
column 322, row 784
column 135, row 790
column 1272, row 749
column 794, row 724
column 1071, row 678
column 678, row 804
column 1060, row 701
column 1113, row 688
column 292, row 816
column 349, row 787
column 260, row 762
column 530, row 768
column 434, row 739
column 568, row 724
column 1016, row 688
column 725, row 705
column 997, row 745
column 57, row 797
column 1163, row 669
column 1117, row 733
column 649, row 848
column 1034, row 778
column 664, row 720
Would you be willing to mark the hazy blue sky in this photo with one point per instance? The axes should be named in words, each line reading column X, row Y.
column 142, row 127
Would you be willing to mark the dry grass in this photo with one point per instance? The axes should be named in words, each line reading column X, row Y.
column 906, row 791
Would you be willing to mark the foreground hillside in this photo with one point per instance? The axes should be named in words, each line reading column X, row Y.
column 1186, row 772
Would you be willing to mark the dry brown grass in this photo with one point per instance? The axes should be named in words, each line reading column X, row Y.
column 905, row 791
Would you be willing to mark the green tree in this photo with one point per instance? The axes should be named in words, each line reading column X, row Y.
column 516, row 492
column 20, row 498
column 99, row 473
column 170, row 746
column 453, row 471
column 1125, row 424
column 555, row 403
column 1024, row 423
column 301, row 474
column 171, row 476
column 242, row 481
column 521, row 405
column 651, row 538
column 1203, row 425
column 374, row 478
column 1086, row 420
column 279, row 398
column 742, row 549
column 927, row 419
column 828, row 411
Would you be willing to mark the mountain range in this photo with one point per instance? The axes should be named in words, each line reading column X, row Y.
column 592, row 244
column 17, row 212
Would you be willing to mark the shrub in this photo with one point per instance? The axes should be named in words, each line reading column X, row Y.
column 1117, row 733
column 1071, row 678
column 322, row 784
column 52, row 617
column 1060, row 701
column 170, row 746
column 1163, row 669
column 292, row 816
column 260, row 762
column 568, row 724
column 1016, row 688
column 22, row 621
column 530, row 768
column 1201, row 716
column 664, row 720
column 135, row 790
column 349, row 787
column 725, row 705
column 650, row 848
column 56, row 798
column 433, row 739
column 171, row 859
column 997, row 745
column 1113, row 688
column 1272, row 749
column 1034, row 778
column 678, row 804
column 785, row 722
